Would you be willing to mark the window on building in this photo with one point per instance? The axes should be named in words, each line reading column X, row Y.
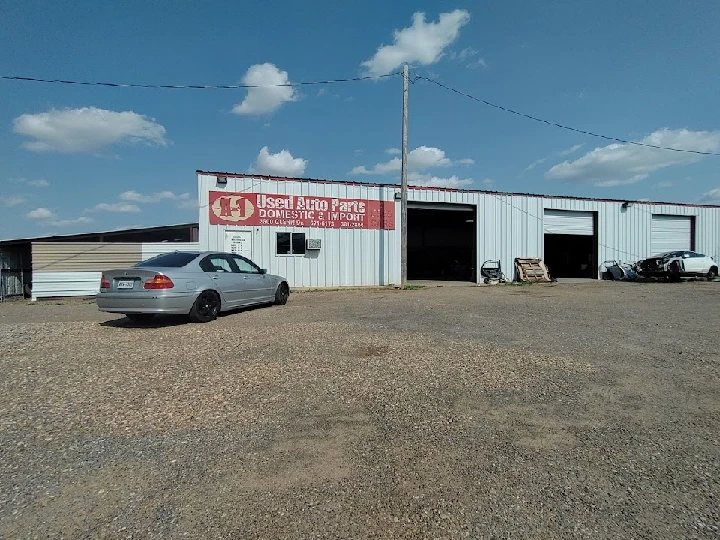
column 290, row 243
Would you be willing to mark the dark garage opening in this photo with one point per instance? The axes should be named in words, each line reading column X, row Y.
column 441, row 242
column 571, row 255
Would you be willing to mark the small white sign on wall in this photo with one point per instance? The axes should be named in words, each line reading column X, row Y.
column 239, row 242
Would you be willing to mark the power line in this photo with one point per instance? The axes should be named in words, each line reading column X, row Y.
column 193, row 86
column 555, row 124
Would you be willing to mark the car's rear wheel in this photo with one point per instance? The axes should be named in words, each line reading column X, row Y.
column 282, row 294
column 205, row 308
column 712, row 274
column 140, row 317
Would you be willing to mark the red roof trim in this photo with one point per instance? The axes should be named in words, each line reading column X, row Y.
column 429, row 188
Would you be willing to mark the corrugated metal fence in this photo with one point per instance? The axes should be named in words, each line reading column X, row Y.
column 74, row 268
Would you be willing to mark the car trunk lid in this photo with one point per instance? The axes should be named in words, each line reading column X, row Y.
column 127, row 279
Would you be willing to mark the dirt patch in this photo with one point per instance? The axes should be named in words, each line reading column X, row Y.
column 544, row 411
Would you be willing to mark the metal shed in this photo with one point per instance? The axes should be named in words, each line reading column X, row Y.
column 71, row 265
column 321, row 233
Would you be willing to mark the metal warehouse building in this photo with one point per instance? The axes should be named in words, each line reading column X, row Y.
column 329, row 234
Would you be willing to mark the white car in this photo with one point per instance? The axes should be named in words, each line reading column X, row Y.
column 677, row 264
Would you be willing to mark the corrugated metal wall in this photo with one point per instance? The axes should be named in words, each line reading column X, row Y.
column 83, row 256
column 347, row 257
column 508, row 226
column 74, row 268
column 65, row 284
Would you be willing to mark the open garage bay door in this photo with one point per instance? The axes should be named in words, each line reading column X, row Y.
column 671, row 233
column 441, row 241
column 570, row 244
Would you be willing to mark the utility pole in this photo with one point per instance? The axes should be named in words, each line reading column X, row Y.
column 404, row 184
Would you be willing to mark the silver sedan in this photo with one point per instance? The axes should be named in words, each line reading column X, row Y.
column 198, row 284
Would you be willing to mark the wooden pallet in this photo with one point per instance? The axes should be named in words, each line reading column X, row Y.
column 531, row 270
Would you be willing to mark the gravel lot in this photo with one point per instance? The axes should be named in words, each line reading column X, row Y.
column 569, row 410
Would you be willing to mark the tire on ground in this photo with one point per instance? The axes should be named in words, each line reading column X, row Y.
column 205, row 308
column 282, row 294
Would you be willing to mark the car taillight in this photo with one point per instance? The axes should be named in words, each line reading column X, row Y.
column 159, row 282
column 104, row 283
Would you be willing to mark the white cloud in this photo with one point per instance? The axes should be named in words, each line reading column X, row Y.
column 566, row 152
column 268, row 99
column 33, row 183
column 393, row 151
column 469, row 56
column 711, row 197
column 188, row 204
column 41, row 214
column 427, row 180
column 120, row 207
column 536, row 163
column 618, row 164
column 281, row 164
column 86, row 130
column 571, row 150
column 663, row 185
column 419, row 159
column 488, row 182
column 421, row 42
column 9, row 201
column 135, row 197
column 69, row 222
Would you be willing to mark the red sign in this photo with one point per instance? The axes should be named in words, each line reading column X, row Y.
column 299, row 211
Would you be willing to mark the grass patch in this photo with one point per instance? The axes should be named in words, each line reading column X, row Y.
column 413, row 287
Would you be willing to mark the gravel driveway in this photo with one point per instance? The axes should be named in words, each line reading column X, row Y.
column 545, row 411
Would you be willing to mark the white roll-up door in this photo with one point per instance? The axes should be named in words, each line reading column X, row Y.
column 569, row 222
column 671, row 233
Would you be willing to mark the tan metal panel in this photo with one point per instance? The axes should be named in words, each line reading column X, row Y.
column 84, row 256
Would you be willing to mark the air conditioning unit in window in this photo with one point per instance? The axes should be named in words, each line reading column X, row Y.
column 313, row 243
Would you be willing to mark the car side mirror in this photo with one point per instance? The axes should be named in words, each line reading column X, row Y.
column 263, row 270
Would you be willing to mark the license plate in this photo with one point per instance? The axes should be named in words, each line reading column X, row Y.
column 126, row 284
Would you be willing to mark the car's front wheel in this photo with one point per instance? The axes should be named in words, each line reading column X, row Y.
column 282, row 294
column 205, row 308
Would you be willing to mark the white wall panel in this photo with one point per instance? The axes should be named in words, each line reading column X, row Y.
column 56, row 284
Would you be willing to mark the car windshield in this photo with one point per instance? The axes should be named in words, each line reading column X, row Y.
column 169, row 260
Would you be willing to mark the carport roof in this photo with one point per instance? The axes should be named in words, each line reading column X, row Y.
column 431, row 188
column 89, row 235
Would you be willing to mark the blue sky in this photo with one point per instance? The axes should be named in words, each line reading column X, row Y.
column 75, row 158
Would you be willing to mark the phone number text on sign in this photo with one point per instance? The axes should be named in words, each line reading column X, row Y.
column 262, row 209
